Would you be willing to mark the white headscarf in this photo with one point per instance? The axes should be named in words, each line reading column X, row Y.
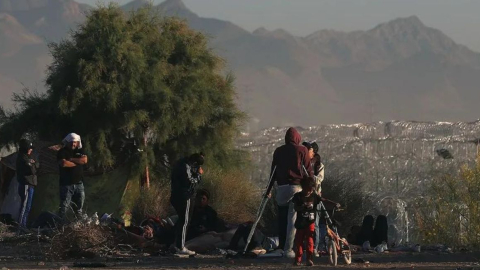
column 73, row 137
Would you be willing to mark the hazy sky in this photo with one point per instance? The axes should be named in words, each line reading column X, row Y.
column 459, row 19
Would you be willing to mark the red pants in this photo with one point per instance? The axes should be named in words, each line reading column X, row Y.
column 306, row 235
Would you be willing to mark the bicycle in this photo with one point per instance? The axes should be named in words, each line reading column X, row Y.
column 335, row 244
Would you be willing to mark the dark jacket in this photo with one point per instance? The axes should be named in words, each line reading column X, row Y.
column 290, row 159
column 184, row 179
column 26, row 169
column 204, row 220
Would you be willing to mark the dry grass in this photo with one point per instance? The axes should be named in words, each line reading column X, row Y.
column 3, row 229
column 233, row 195
column 81, row 241
column 153, row 202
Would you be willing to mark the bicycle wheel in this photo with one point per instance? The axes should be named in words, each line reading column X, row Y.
column 347, row 256
column 332, row 253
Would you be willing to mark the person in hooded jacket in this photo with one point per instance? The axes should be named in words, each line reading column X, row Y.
column 291, row 163
column 26, row 168
column 186, row 175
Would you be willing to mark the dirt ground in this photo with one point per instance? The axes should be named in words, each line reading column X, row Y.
column 33, row 258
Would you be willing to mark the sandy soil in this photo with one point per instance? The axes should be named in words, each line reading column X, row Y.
column 394, row 260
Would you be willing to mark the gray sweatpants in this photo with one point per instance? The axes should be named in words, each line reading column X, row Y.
column 284, row 196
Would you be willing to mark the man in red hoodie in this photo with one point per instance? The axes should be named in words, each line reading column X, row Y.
column 290, row 160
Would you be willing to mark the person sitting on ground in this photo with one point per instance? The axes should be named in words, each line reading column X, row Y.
column 305, row 204
column 204, row 217
column 259, row 244
column 366, row 231
column 380, row 232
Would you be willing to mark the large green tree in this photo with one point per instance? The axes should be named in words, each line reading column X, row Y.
column 123, row 78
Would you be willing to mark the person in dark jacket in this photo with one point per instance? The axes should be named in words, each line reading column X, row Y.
column 26, row 168
column 204, row 218
column 291, row 163
column 186, row 175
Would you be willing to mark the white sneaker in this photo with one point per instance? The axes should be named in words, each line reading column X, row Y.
column 184, row 251
column 289, row 254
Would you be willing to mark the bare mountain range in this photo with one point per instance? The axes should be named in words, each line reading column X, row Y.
column 401, row 69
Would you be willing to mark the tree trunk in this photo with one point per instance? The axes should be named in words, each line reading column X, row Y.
column 146, row 177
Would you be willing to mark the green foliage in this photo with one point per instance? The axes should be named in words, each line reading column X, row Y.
column 125, row 77
column 451, row 212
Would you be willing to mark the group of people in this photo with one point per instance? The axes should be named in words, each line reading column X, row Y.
column 371, row 233
column 296, row 170
column 71, row 160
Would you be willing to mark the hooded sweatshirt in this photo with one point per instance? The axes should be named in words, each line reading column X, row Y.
column 289, row 160
column 26, row 168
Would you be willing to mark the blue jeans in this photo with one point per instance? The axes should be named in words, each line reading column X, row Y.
column 71, row 196
column 26, row 195
column 320, row 233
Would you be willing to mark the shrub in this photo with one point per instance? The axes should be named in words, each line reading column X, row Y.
column 350, row 193
column 450, row 214
column 154, row 201
column 233, row 196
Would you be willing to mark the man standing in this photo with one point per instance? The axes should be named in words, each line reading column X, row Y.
column 186, row 175
column 320, row 222
column 289, row 160
column 71, row 159
column 26, row 168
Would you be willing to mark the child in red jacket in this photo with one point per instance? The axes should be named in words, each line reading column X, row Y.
column 306, row 202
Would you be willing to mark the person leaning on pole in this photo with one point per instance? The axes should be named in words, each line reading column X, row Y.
column 291, row 160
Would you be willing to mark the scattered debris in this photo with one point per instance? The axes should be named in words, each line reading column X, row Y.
column 361, row 260
column 89, row 264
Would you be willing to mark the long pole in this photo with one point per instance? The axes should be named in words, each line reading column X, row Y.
column 261, row 208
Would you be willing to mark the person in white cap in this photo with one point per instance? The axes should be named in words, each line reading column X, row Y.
column 71, row 159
